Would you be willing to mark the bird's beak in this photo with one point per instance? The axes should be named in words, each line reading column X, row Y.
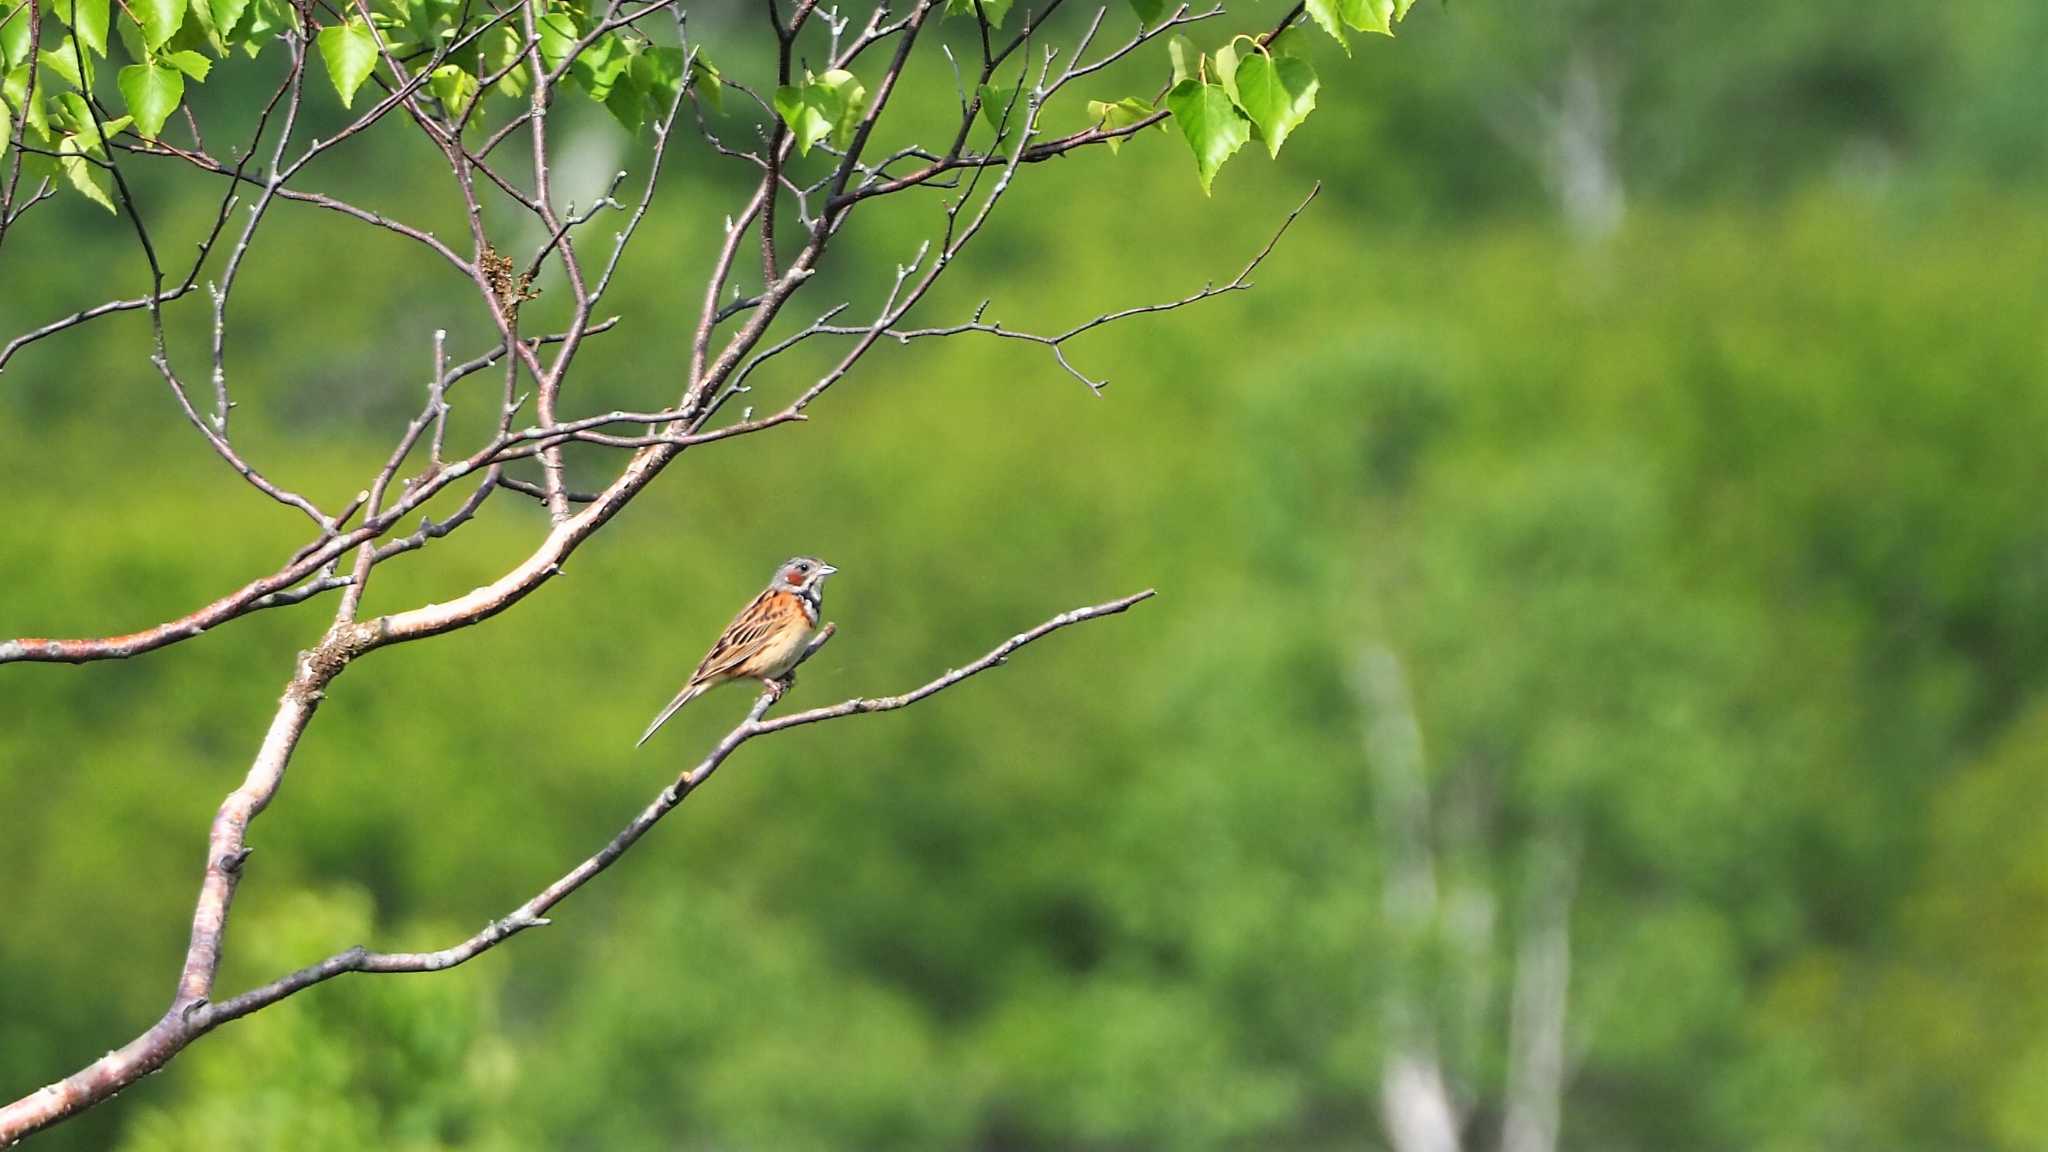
column 826, row 569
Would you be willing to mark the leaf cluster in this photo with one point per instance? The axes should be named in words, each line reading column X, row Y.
column 59, row 109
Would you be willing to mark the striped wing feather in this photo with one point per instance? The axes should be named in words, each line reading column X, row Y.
column 762, row 640
column 750, row 645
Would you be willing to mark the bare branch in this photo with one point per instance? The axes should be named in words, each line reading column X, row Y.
column 525, row 488
column 295, row 82
column 533, row 912
column 662, row 129
column 193, row 1014
column 1056, row 342
column 317, row 199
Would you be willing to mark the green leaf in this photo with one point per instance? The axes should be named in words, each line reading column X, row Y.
column 226, row 15
column 160, row 19
column 14, row 92
column 852, row 102
column 706, row 81
column 1331, row 20
column 1214, row 128
column 627, row 102
column 992, row 10
column 14, row 36
column 77, row 115
column 191, row 37
column 264, row 18
column 558, row 35
column 267, row 16
column 1149, row 11
column 80, row 174
column 1226, row 66
column 192, row 64
column 350, row 51
column 1187, row 59
column 153, row 92
column 1369, row 15
column 131, row 39
column 1122, row 114
column 599, row 66
column 806, row 122
column 658, row 73
column 454, row 88
column 65, row 62
column 1275, row 93
column 426, row 21
column 6, row 128
column 827, row 105
column 86, row 18
column 201, row 24
column 503, row 50
column 995, row 104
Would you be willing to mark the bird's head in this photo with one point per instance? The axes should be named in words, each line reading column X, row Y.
column 805, row 576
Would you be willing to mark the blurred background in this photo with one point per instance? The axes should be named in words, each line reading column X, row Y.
column 1597, row 697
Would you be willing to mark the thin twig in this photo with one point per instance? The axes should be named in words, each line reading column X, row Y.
column 193, row 1014
column 1241, row 282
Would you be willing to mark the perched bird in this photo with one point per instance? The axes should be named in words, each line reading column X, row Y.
column 765, row 641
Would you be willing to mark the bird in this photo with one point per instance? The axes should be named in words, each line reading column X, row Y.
column 766, row 640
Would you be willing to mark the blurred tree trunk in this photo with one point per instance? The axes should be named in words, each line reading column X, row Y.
column 1456, row 931
column 1418, row 1107
column 1565, row 128
column 1580, row 149
column 1414, row 1099
column 1543, row 961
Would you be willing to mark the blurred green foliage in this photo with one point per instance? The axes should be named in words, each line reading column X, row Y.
column 1715, row 547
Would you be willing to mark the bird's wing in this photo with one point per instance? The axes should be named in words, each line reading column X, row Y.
column 744, row 639
column 738, row 648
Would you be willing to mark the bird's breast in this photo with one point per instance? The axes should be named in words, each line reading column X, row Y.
column 780, row 653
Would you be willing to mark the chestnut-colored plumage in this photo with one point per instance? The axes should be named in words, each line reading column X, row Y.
column 765, row 641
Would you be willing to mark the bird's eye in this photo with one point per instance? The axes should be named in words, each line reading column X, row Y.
column 803, row 567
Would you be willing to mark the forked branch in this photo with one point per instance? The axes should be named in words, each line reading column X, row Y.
column 193, row 1015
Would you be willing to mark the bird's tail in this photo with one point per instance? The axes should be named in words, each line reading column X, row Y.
column 690, row 692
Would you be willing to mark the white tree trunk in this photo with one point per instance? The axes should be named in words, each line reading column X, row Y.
column 1581, row 151
column 1415, row 1101
column 1536, row 1040
column 1564, row 129
column 1417, row 1106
